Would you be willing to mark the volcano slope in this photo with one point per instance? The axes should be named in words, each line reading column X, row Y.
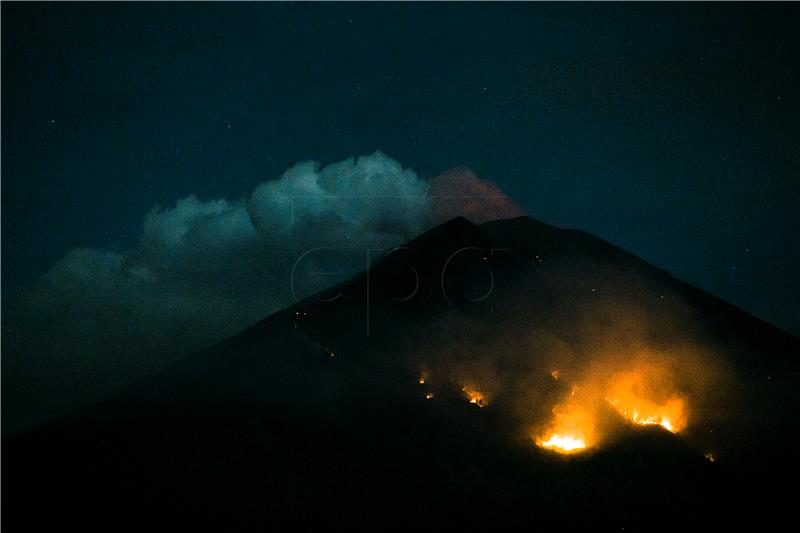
column 427, row 392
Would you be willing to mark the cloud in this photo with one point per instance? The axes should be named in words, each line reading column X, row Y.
column 372, row 196
column 459, row 192
column 204, row 270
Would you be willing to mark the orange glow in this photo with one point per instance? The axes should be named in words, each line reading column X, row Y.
column 644, row 400
column 422, row 380
column 563, row 444
column 573, row 428
column 474, row 396
column 647, row 395
column 429, row 396
column 555, row 374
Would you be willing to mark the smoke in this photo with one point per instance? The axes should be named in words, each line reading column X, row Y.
column 459, row 192
column 206, row 269
column 602, row 358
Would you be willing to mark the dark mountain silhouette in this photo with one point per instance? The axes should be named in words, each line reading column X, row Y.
column 315, row 415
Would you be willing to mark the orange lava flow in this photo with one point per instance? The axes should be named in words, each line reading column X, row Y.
column 643, row 402
column 474, row 396
column 573, row 428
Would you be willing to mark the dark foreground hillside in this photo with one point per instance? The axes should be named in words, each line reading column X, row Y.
column 353, row 407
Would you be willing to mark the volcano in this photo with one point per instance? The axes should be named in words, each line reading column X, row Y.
column 508, row 374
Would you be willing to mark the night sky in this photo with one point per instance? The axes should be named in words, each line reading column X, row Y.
column 670, row 130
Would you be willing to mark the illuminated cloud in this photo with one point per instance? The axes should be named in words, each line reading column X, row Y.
column 459, row 192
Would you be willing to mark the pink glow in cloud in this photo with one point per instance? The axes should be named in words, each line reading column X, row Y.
column 459, row 192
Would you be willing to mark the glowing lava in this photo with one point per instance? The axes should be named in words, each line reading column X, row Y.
column 563, row 443
column 643, row 402
column 573, row 428
column 475, row 397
